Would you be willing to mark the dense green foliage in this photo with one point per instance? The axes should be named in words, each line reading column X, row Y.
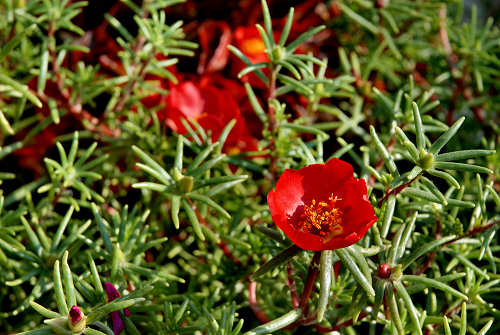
column 97, row 187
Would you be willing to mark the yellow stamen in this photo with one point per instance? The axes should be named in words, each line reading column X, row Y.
column 322, row 218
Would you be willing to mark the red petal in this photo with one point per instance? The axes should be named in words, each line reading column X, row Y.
column 183, row 101
column 211, row 31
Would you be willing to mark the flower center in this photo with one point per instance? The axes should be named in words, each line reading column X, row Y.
column 322, row 218
column 253, row 46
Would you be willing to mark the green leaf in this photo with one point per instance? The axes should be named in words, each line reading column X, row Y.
column 434, row 190
column 463, row 319
column 44, row 311
column 405, row 141
column 424, row 249
column 349, row 262
column 69, row 287
column 5, row 125
column 210, row 202
column 103, row 311
column 303, row 38
column 96, row 279
column 92, row 331
column 325, row 279
column 276, row 324
column 380, row 286
column 416, row 193
column 429, row 282
column 225, row 132
column 358, row 18
column 286, row 28
column 23, row 89
column 200, row 157
column 305, row 129
column 164, row 177
column 444, row 175
column 252, row 68
column 409, row 304
column 61, row 228
column 42, row 77
column 486, row 327
column 389, row 162
column 444, row 138
column 245, row 60
column 419, row 128
column 462, row 167
column 179, row 153
column 276, row 261
column 390, row 205
column 463, row 154
column 224, row 186
column 446, row 325
column 176, row 203
column 58, row 289
column 46, row 330
column 255, row 103
column 267, row 21
column 193, row 219
column 393, row 307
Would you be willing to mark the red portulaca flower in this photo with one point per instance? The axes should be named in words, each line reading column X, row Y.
column 213, row 108
column 112, row 294
column 248, row 40
column 321, row 206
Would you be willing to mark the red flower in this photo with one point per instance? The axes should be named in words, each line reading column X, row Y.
column 213, row 108
column 321, row 206
column 112, row 294
column 248, row 40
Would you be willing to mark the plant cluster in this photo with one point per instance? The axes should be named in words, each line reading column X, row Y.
column 203, row 167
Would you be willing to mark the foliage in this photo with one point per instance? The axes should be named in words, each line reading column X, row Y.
column 137, row 150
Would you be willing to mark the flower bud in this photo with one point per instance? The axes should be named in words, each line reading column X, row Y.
column 426, row 160
column 384, row 271
column 76, row 320
column 278, row 53
column 186, row 184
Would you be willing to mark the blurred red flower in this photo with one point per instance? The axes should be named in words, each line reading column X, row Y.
column 30, row 156
column 249, row 42
column 321, row 206
column 112, row 294
column 213, row 58
column 213, row 107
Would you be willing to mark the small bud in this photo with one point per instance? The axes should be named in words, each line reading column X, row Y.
column 381, row 3
column 186, row 184
column 384, row 271
column 397, row 272
column 76, row 320
column 426, row 160
column 278, row 53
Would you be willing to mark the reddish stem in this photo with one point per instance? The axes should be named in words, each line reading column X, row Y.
column 254, row 305
column 312, row 275
column 474, row 231
column 396, row 190
column 291, row 284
